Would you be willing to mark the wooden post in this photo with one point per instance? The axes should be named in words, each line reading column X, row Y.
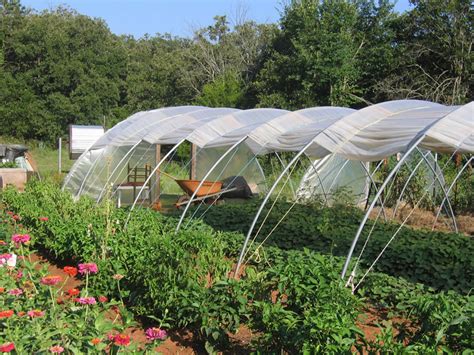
column 192, row 170
column 60, row 147
column 157, row 189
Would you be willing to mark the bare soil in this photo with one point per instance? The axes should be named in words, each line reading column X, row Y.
column 424, row 219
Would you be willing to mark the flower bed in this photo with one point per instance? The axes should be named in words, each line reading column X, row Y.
column 38, row 313
column 293, row 300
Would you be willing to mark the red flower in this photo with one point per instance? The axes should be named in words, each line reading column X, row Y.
column 16, row 217
column 95, row 341
column 122, row 339
column 103, row 299
column 2, row 289
column 21, row 314
column 73, row 292
column 44, row 219
column 51, row 280
column 6, row 314
column 7, row 347
column 70, row 270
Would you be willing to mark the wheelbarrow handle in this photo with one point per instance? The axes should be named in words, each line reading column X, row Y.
column 166, row 174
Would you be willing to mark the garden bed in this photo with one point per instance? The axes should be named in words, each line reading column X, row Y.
column 180, row 281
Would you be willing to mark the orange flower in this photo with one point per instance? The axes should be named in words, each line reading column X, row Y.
column 73, row 292
column 2, row 289
column 21, row 314
column 95, row 341
column 70, row 270
column 6, row 314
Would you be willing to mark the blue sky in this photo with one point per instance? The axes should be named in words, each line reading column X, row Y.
column 178, row 17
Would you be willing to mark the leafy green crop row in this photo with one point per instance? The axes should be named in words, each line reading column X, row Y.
column 441, row 260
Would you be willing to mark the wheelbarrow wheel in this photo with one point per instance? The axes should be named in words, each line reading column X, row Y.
column 181, row 201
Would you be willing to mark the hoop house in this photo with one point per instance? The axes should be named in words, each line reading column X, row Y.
column 334, row 148
column 380, row 131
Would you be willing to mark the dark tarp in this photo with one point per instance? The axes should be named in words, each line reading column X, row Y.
column 242, row 189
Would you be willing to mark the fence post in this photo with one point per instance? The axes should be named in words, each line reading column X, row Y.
column 60, row 143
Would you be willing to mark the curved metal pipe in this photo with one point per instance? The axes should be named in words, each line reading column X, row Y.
column 202, row 181
column 264, row 202
column 377, row 196
column 116, row 167
column 449, row 190
column 375, row 187
column 444, row 191
column 406, row 185
column 151, row 175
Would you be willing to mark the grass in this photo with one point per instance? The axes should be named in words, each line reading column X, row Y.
column 45, row 157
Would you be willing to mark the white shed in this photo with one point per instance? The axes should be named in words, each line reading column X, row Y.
column 81, row 138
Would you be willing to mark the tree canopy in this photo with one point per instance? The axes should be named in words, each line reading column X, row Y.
column 59, row 67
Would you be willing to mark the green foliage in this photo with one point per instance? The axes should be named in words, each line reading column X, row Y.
column 433, row 58
column 224, row 91
column 8, row 164
column 331, row 230
column 321, row 54
column 311, row 312
column 59, row 67
column 441, row 319
column 183, row 277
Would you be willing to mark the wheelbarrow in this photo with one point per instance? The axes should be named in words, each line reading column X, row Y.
column 209, row 191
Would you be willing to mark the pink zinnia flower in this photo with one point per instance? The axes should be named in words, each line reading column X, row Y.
column 16, row 292
column 35, row 313
column 56, row 349
column 155, row 334
column 43, row 219
column 20, row 238
column 88, row 268
column 4, row 258
column 51, row 280
column 86, row 300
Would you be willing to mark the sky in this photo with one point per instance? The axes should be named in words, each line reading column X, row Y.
column 177, row 17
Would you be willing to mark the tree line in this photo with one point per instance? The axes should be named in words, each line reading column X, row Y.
column 59, row 67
